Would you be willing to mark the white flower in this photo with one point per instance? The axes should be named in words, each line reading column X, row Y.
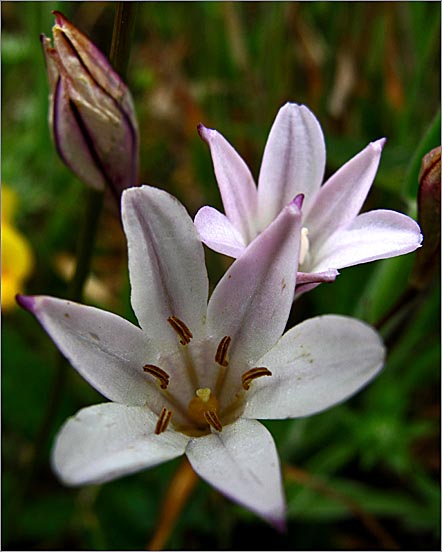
column 333, row 235
column 197, row 375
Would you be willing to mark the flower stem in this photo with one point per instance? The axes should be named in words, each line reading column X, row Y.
column 179, row 490
column 86, row 242
column 122, row 37
column 403, row 302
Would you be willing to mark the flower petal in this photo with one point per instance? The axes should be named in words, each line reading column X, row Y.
column 235, row 181
column 328, row 275
column 50, row 55
column 166, row 263
column 106, row 441
column 251, row 303
column 75, row 48
column 108, row 351
column 242, row 463
column 340, row 199
column 374, row 235
column 315, row 365
column 306, row 281
column 218, row 233
column 293, row 162
column 111, row 136
column 70, row 141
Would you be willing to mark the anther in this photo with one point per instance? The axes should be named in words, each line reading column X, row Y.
column 181, row 329
column 212, row 419
column 252, row 374
column 163, row 421
column 161, row 375
column 221, row 352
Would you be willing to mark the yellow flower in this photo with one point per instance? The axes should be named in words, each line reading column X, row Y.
column 17, row 256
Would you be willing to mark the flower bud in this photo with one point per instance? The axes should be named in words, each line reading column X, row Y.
column 92, row 117
column 427, row 258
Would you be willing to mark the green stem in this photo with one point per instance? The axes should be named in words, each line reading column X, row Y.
column 86, row 242
column 400, row 305
column 122, row 37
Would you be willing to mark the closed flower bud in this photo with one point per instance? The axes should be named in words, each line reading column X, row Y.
column 427, row 259
column 92, row 117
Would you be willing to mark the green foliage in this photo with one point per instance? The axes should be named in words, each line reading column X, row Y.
column 231, row 65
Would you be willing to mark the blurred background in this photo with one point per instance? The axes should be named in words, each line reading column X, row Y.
column 363, row 475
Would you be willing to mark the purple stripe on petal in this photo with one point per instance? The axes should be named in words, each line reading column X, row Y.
column 90, row 143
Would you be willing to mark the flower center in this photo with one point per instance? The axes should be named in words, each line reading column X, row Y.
column 203, row 409
column 192, row 408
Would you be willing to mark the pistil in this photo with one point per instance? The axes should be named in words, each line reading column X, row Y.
column 305, row 245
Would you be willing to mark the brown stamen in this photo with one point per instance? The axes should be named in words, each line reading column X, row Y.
column 212, row 419
column 221, row 352
column 161, row 375
column 163, row 421
column 181, row 329
column 252, row 374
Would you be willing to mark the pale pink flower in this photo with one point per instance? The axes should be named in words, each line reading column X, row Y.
column 334, row 235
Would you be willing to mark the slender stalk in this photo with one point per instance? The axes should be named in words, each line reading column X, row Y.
column 403, row 302
column 177, row 494
column 122, row 37
column 86, row 242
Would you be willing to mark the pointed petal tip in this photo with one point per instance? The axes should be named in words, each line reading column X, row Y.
column 296, row 107
column 378, row 145
column 59, row 17
column 292, row 106
column 204, row 132
column 26, row 302
column 63, row 24
column 46, row 44
column 298, row 201
column 134, row 191
column 279, row 524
